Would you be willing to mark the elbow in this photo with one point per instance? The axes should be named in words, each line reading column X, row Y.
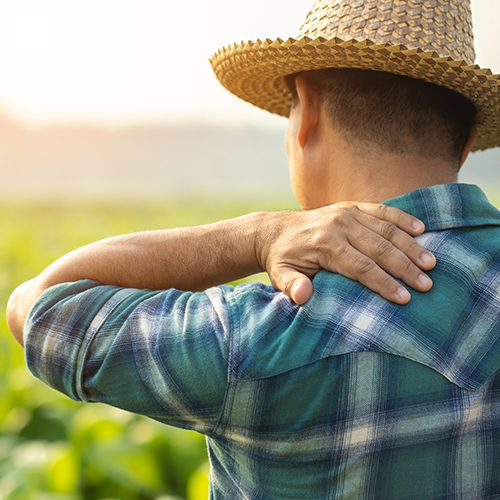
column 15, row 319
column 19, row 305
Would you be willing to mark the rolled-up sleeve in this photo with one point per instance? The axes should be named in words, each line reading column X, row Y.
column 163, row 354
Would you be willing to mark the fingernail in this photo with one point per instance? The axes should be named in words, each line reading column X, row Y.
column 426, row 258
column 403, row 293
column 416, row 224
column 424, row 280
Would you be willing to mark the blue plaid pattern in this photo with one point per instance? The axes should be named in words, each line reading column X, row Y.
column 346, row 397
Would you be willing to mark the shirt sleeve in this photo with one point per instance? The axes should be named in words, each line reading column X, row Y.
column 163, row 354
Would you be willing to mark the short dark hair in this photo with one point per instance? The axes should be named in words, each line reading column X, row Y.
column 396, row 114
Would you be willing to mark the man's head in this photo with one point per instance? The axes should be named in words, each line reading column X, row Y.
column 429, row 41
column 385, row 127
column 377, row 111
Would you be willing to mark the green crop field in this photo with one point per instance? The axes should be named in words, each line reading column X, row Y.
column 52, row 448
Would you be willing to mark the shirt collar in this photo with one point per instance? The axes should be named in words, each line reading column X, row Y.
column 447, row 206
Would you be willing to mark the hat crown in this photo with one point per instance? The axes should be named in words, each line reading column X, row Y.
column 438, row 26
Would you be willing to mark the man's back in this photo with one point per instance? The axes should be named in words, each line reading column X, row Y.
column 348, row 396
column 359, row 398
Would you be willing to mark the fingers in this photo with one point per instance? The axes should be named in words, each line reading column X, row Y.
column 396, row 227
column 401, row 219
column 393, row 226
column 361, row 268
column 293, row 284
column 398, row 254
column 356, row 266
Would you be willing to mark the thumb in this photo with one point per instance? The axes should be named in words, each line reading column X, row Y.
column 295, row 285
column 302, row 290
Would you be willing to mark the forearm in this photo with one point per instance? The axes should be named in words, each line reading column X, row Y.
column 191, row 259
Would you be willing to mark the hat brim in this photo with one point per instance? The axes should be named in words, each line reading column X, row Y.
column 255, row 72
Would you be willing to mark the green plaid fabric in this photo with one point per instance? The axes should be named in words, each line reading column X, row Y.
column 346, row 397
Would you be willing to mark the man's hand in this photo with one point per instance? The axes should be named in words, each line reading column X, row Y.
column 363, row 241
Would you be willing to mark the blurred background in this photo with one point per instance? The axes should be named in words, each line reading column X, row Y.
column 111, row 121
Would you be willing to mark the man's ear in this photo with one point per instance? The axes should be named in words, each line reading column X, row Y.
column 309, row 110
column 468, row 146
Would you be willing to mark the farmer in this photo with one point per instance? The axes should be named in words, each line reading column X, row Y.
column 329, row 390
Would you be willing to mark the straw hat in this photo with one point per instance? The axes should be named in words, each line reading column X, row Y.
column 426, row 39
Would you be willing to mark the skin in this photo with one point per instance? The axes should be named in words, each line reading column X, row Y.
column 325, row 169
column 363, row 241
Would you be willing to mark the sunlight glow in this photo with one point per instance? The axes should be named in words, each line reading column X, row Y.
column 123, row 61
column 31, row 33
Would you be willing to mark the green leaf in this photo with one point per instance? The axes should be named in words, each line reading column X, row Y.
column 197, row 487
column 63, row 472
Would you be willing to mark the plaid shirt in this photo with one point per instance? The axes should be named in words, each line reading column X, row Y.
column 346, row 397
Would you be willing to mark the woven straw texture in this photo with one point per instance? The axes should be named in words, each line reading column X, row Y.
column 433, row 26
column 426, row 39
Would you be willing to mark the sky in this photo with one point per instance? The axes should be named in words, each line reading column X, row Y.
column 120, row 62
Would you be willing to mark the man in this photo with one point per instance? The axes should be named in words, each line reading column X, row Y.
column 348, row 395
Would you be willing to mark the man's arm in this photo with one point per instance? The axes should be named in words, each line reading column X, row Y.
column 360, row 241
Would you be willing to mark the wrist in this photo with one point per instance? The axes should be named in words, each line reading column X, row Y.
column 267, row 230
